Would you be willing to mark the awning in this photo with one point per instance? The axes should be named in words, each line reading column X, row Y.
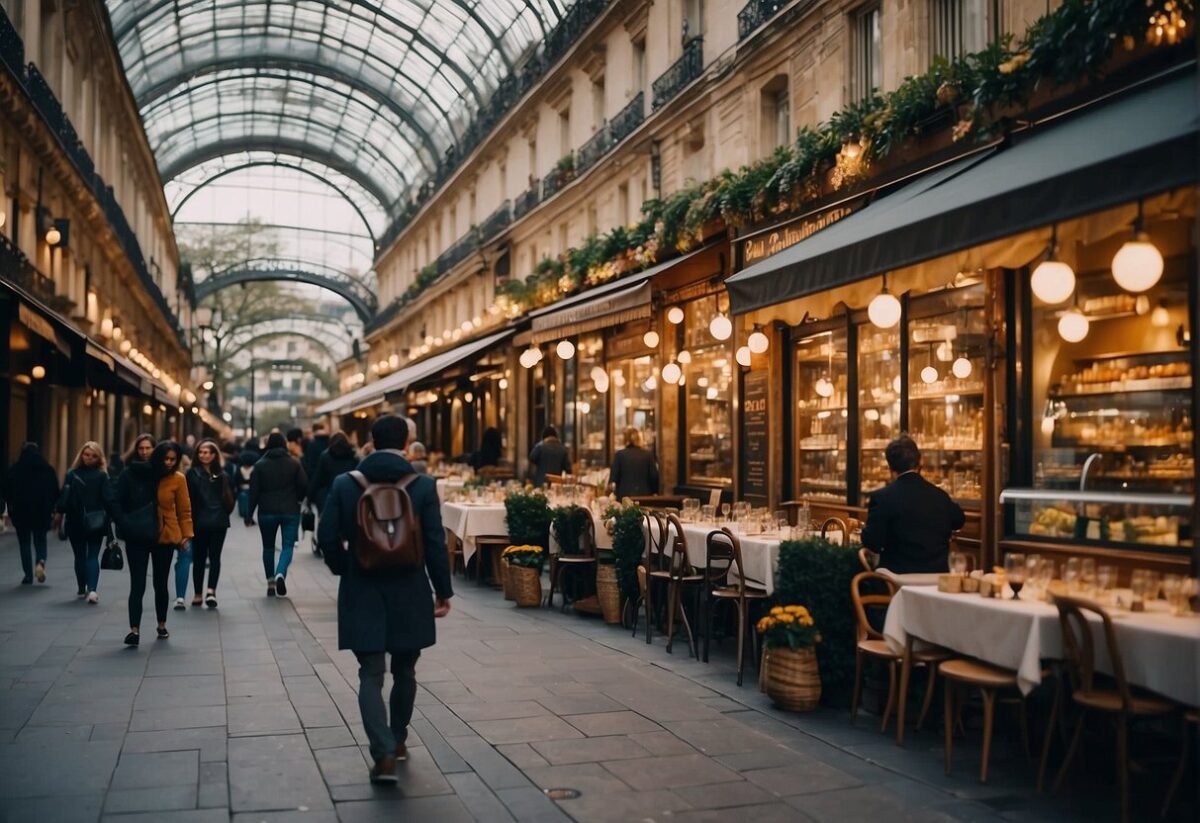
column 1143, row 143
column 43, row 320
column 374, row 393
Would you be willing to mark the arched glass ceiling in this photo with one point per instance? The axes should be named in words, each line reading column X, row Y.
column 375, row 89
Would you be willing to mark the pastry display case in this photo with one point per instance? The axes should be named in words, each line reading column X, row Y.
column 707, row 367
column 879, row 392
column 821, row 415
column 591, row 406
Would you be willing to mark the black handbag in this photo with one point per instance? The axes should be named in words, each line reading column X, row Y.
column 308, row 520
column 141, row 524
column 112, row 558
column 95, row 522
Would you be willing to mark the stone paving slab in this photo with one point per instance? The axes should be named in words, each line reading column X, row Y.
column 249, row 713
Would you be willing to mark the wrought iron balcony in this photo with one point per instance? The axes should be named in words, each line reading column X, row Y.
column 755, row 13
column 496, row 222
column 461, row 249
column 12, row 49
column 595, row 148
column 527, row 200
column 16, row 268
column 683, row 71
column 557, row 178
column 629, row 118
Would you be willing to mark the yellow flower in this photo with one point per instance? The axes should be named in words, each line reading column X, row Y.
column 1013, row 63
column 806, row 621
column 777, row 610
column 765, row 624
column 787, row 619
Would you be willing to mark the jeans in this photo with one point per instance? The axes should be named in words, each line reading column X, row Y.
column 31, row 541
column 87, row 560
column 139, row 558
column 289, row 525
column 243, row 501
column 207, row 548
column 183, row 569
column 385, row 736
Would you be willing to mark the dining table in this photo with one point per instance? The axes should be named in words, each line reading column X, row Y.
column 467, row 521
column 1159, row 651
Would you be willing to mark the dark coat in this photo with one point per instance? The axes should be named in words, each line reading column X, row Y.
column 909, row 522
column 207, row 493
column 277, row 484
column 549, row 457
column 31, row 490
column 247, row 458
column 137, row 486
column 86, row 489
column 634, row 472
column 329, row 466
column 390, row 612
column 313, row 450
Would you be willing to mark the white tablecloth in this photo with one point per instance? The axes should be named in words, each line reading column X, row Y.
column 1160, row 652
column 760, row 554
column 470, row 520
column 447, row 485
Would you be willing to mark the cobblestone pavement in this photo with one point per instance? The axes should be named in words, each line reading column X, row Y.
column 248, row 712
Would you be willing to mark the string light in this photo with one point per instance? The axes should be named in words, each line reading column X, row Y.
column 758, row 342
column 565, row 349
column 720, row 327
column 1138, row 264
column 675, row 315
column 884, row 308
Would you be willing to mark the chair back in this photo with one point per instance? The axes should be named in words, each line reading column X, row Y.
column 555, row 479
column 868, row 559
column 862, row 601
column 723, row 554
column 1079, row 645
column 656, row 539
column 679, row 553
column 587, row 538
column 840, row 523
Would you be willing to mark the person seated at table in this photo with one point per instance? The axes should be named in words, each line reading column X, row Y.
column 909, row 521
column 634, row 469
column 549, row 456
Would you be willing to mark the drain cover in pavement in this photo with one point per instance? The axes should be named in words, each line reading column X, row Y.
column 561, row 794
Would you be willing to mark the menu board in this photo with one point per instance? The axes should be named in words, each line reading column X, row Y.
column 756, row 450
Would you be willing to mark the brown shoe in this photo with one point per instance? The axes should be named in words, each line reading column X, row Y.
column 401, row 753
column 384, row 770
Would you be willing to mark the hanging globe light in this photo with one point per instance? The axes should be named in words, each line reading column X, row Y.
column 1160, row 318
column 674, row 315
column 742, row 356
column 884, row 308
column 721, row 328
column 929, row 375
column 824, row 388
column 684, row 357
column 758, row 342
column 650, row 338
column 961, row 368
column 1073, row 325
column 671, row 373
column 1138, row 264
column 565, row 349
column 597, row 374
column 530, row 357
column 1052, row 280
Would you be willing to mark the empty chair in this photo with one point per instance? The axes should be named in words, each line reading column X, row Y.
column 655, row 559
column 723, row 555
column 586, row 559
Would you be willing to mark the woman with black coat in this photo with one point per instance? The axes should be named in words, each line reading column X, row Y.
column 339, row 458
column 136, row 496
column 30, row 488
column 212, row 501
column 88, row 504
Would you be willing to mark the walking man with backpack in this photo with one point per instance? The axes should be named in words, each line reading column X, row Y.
column 381, row 532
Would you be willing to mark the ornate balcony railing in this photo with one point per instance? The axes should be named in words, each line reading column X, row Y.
column 683, row 71
column 595, row 148
column 460, row 250
column 17, row 268
column 527, row 200
column 557, row 178
column 629, row 118
column 755, row 13
column 12, row 49
column 496, row 222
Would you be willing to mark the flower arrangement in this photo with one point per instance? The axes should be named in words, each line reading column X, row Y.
column 527, row 556
column 789, row 627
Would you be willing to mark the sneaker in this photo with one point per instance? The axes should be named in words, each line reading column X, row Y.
column 211, row 600
column 179, row 604
column 81, row 593
column 132, row 639
column 196, row 601
column 384, row 770
column 270, row 588
column 163, row 634
column 40, row 572
column 93, row 598
column 280, row 585
column 401, row 753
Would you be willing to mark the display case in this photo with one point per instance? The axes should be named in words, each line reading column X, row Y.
column 879, row 393
column 821, row 415
column 708, row 389
column 591, row 406
column 1145, row 520
column 946, row 338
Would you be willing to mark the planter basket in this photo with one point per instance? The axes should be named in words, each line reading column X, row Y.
column 791, row 679
column 525, row 585
column 504, row 585
column 608, row 592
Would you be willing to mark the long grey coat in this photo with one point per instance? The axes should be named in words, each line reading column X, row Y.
column 392, row 611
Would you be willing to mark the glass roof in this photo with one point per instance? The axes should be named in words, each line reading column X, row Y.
column 374, row 90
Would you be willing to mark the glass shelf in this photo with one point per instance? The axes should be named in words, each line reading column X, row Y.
column 822, row 415
column 879, row 386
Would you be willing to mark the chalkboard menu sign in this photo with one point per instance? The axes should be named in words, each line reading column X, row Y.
column 756, row 448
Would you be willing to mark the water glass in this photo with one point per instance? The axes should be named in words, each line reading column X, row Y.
column 707, row 514
column 803, row 519
column 958, row 563
column 1087, row 577
column 1071, row 572
column 1106, row 584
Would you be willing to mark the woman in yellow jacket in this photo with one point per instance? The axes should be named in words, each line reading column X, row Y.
column 156, row 540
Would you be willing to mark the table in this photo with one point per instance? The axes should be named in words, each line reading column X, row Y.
column 470, row 520
column 1160, row 652
column 446, row 485
column 760, row 553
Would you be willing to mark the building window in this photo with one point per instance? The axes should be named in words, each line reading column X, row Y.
column 533, row 161
column 957, row 27
column 639, row 66
column 564, row 132
column 776, row 110
column 708, row 385
column 867, row 53
column 623, row 215
column 598, row 103
column 693, row 19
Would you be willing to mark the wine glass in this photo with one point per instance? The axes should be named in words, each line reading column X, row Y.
column 1106, row 583
column 1014, row 571
column 725, row 509
column 1087, row 576
column 958, row 563
column 1071, row 571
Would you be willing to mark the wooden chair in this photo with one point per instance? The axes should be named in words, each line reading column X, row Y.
column 655, row 559
column 584, row 560
column 678, row 575
column 840, row 524
column 723, row 554
column 497, row 472
column 488, row 548
column 1192, row 718
column 454, row 546
column 1118, row 700
column 990, row 680
column 868, row 559
column 555, row 479
column 871, row 644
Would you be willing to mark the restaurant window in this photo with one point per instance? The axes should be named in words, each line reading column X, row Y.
column 866, row 52
column 590, row 406
column 879, row 392
column 957, row 27
column 708, row 388
column 822, row 415
column 634, row 388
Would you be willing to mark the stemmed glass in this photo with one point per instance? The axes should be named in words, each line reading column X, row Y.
column 1014, row 571
column 1106, row 582
column 725, row 509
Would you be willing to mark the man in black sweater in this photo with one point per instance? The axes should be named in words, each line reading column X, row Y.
column 909, row 521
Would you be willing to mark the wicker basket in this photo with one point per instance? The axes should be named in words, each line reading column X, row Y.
column 608, row 592
column 791, row 679
column 504, row 586
column 525, row 585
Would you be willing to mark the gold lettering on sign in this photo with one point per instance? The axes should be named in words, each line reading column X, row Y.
column 775, row 241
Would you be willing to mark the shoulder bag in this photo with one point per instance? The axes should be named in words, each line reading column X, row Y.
column 112, row 559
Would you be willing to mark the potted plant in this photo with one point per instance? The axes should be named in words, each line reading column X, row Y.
column 527, row 518
column 790, row 675
column 629, row 545
column 523, row 566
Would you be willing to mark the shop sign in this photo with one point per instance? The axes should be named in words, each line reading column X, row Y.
column 772, row 241
column 40, row 326
column 756, row 448
column 623, row 347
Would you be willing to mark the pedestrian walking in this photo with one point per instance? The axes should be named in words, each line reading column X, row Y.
column 244, row 468
column 336, row 460
column 31, row 488
column 87, row 505
column 549, row 456
column 386, row 609
column 315, row 447
column 490, row 448
column 295, row 444
column 277, row 485
column 212, row 501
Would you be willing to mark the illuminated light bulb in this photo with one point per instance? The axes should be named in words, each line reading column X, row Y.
column 565, row 349
column 37, row 372
column 528, row 358
column 1047, row 425
column 944, row 353
column 684, row 357
column 742, row 356
column 467, row 326
column 929, row 374
column 195, row 410
column 468, row 398
column 871, row 414
column 671, row 373
column 124, row 347
column 227, row 417
column 961, row 368
column 429, row 340
column 456, row 335
column 1160, row 317
column 53, row 236
column 1073, row 326
column 117, row 332
column 181, row 409
column 477, row 320
column 106, row 327
column 189, row 396
column 651, row 383
column 437, row 341
column 394, row 361
column 133, row 353
column 584, row 407
column 156, row 374
column 1052, row 282
column 650, row 338
column 884, row 309
column 1141, row 305
column 758, row 342
column 597, row 374
column 147, row 409
column 824, row 387
column 1138, row 264
column 851, row 149
column 502, row 383
column 720, row 327
column 601, row 385
column 711, row 394
column 627, row 403
column 674, row 315
column 896, row 384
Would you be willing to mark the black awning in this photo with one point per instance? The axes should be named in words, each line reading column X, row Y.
column 1142, row 143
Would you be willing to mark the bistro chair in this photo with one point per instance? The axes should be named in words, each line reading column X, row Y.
column 1191, row 719
column 990, row 680
column 1118, row 700
column 871, row 644
column 868, row 559
column 586, row 559
column 722, row 555
column 840, row 524
column 456, row 553
column 488, row 548
column 679, row 575
column 654, row 559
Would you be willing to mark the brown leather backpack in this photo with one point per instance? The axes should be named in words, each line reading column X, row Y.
column 389, row 533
